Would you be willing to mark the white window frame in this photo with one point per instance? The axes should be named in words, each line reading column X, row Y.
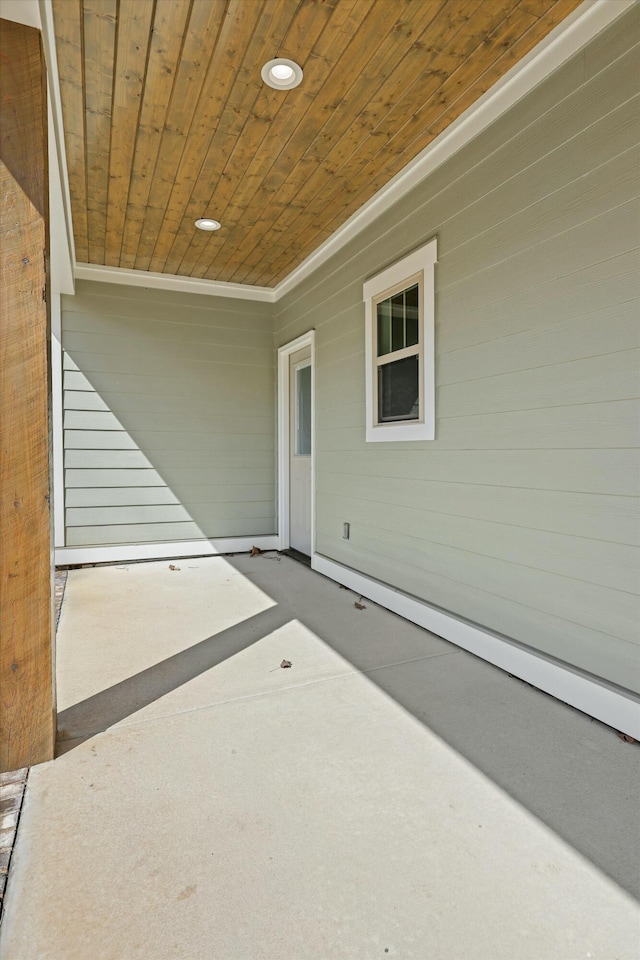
column 417, row 267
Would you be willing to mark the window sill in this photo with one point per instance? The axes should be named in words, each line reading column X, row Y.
column 389, row 432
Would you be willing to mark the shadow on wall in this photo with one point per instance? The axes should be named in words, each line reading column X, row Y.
column 165, row 468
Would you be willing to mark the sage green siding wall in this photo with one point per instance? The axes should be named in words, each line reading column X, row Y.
column 168, row 416
column 521, row 515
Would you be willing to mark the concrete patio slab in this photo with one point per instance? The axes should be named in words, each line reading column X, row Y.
column 319, row 822
column 310, row 813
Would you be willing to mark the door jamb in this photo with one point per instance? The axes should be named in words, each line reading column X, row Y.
column 284, row 353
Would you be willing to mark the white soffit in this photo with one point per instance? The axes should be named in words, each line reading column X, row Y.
column 578, row 29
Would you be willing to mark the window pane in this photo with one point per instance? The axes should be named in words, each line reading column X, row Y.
column 411, row 307
column 384, row 327
column 398, row 396
column 397, row 314
column 303, row 412
column 398, row 321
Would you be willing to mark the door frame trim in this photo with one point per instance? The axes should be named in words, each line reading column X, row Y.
column 284, row 353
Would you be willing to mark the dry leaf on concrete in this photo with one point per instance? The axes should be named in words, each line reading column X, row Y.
column 255, row 552
column 626, row 738
column 285, row 664
column 359, row 606
column 172, row 566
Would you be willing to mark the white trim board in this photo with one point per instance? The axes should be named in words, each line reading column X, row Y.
column 284, row 352
column 165, row 281
column 595, row 699
column 161, row 551
column 570, row 36
column 57, row 423
column 63, row 252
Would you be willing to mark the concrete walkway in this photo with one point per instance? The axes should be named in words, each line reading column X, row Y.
column 387, row 795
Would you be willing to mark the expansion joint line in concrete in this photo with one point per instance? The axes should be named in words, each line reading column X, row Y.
column 255, row 696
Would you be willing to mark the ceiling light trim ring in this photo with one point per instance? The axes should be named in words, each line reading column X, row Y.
column 207, row 223
column 282, row 74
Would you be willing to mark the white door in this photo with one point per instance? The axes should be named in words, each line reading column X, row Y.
column 300, row 400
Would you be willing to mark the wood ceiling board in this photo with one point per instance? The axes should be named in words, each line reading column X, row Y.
column 251, row 154
column 267, row 30
column 238, row 208
column 380, row 174
column 173, row 121
column 335, row 109
column 453, row 22
column 236, row 27
column 169, row 28
column 514, row 52
column 263, row 114
column 98, row 45
column 134, row 25
column 292, row 168
column 451, row 44
column 468, row 77
column 282, row 112
column 483, row 83
column 328, row 188
column 178, row 157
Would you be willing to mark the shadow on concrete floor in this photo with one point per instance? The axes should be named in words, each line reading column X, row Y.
column 573, row 773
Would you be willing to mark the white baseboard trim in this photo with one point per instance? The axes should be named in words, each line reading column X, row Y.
column 595, row 699
column 160, row 551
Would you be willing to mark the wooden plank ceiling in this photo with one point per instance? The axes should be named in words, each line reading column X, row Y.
column 167, row 118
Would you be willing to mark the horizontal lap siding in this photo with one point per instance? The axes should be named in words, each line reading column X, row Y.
column 522, row 515
column 168, row 416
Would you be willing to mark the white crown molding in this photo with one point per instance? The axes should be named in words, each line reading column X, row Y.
column 166, row 281
column 570, row 36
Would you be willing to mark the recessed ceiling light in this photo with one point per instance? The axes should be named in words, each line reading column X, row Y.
column 205, row 224
column 281, row 74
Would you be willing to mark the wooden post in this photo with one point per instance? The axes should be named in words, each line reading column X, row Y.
column 27, row 689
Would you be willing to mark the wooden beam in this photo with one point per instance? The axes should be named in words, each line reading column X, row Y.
column 27, row 689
